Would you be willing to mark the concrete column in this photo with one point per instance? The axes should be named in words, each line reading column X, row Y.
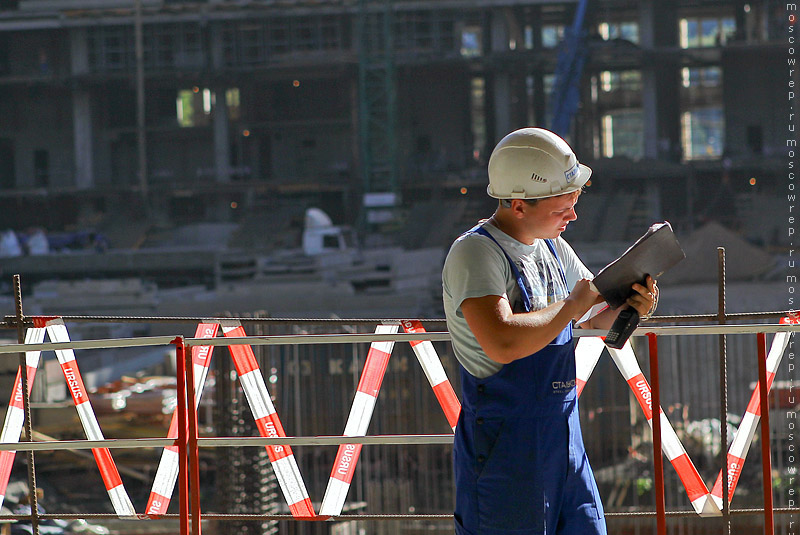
column 501, row 81
column 82, row 132
column 212, row 36
column 658, row 31
column 78, row 51
column 501, row 102
column 499, row 31
column 650, row 113
column 222, row 143
column 539, row 105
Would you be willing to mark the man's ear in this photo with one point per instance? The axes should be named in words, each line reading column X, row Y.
column 518, row 207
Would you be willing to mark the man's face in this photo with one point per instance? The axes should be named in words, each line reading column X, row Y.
column 549, row 217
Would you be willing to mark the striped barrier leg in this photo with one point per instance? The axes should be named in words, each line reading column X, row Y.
column 747, row 429
column 587, row 353
column 357, row 422
column 15, row 416
column 432, row 366
column 268, row 423
column 57, row 332
column 167, row 472
column 625, row 359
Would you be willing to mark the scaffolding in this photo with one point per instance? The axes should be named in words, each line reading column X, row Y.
column 377, row 110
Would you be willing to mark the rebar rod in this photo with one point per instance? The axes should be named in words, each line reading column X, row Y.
column 9, row 322
column 723, row 392
column 766, row 462
column 33, row 500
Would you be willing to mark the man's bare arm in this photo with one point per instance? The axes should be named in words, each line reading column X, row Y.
column 506, row 336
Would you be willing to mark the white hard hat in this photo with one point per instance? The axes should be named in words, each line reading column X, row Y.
column 532, row 163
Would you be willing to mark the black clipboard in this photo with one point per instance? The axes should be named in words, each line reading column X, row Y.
column 652, row 254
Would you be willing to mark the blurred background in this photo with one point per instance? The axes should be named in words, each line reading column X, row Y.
column 316, row 158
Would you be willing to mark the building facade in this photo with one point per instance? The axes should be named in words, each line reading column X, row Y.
column 205, row 108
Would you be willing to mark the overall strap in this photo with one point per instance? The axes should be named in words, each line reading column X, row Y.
column 551, row 245
column 526, row 298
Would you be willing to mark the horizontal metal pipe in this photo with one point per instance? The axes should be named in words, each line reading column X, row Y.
column 675, row 330
column 310, row 339
column 736, row 316
column 9, row 322
column 218, row 442
column 307, row 339
column 315, row 339
column 369, row 517
column 90, row 344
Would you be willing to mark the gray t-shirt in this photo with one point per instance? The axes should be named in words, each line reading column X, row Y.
column 476, row 267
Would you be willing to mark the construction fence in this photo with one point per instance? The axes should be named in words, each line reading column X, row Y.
column 345, row 427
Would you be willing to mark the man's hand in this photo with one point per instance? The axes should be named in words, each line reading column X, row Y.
column 584, row 296
column 645, row 299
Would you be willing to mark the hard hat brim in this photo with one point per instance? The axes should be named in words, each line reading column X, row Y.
column 578, row 183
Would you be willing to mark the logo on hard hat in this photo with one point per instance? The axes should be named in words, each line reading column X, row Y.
column 572, row 173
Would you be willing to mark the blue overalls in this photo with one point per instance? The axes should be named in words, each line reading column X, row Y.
column 519, row 459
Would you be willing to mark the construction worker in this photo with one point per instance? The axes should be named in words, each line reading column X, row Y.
column 512, row 289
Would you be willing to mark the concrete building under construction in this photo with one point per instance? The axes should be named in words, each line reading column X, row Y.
column 181, row 111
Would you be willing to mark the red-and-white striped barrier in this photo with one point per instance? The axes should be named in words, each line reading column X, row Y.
column 268, row 423
column 626, row 362
column 15, row 416
column 432, row 366
column 357, row 422
column 57, row 332
column 747, row 428
column 167, row 472
column 587, row 353
column 705, row 503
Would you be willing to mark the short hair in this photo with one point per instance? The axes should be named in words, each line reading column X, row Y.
column 506, row 203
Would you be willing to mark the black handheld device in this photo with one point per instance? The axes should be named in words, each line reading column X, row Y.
column 623, row 328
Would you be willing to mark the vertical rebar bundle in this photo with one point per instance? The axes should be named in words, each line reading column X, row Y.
column 245, row 481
